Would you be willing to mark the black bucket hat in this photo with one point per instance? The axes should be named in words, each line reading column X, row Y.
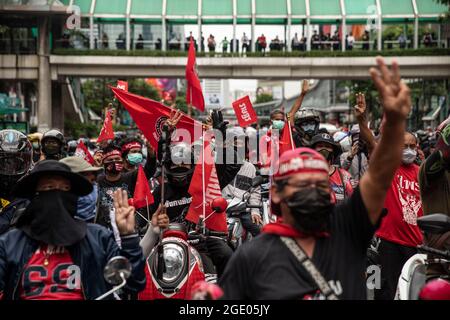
column 26, row 186
column 326, row 138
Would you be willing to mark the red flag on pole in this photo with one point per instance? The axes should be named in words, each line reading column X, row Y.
column 194, row 94
column 142, row 197
column 150, row 116
column 107, row 132
column 244, row 111
column 286, row 141
column 204, row 188
column 122, row 85
column 83, row 152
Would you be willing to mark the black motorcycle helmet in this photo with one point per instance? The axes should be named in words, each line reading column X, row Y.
column 307, row 122
column 328, row 139
column 180, row 166
column 53, row 144
column 16, row 158
column 71, row 147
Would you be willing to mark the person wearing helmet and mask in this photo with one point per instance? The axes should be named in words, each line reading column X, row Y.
column 15, row 161
column 114, row 178
column 52, row 145
column 179, row 169
column 340, row 179
column 320, row 249
column 35, row 139
column 306, row 124
column 131, row 153
column 434, row 183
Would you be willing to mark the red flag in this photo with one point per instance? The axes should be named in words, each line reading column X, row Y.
column 150, row 116
column 83, row 152
column 286, row 142
column 142, row 195
column 107, row 132
column 205, row 194
column 244, row 111
column 194, row 94
column 122, row 85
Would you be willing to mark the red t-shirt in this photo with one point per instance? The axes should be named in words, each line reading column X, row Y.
column 337, row 185
column 51, row 276
column 404, row 207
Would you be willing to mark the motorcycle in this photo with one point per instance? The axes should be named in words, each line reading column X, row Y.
column 116, row 273
column 412, row 283
column 181, row 264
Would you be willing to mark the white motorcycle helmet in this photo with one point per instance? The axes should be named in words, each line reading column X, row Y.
column 343, row 139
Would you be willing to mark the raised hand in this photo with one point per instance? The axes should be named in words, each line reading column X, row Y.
column 175, row 117
column 360, row 107
column 160, row 218
column 218, row 123
column 124, row 213
column 305, row 87
column 394, row 94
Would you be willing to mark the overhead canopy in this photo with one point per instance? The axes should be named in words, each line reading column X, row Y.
column 265, row 11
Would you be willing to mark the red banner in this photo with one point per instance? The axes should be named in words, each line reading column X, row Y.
column 245, row 113
column 107, row 132
column 122, row 85
column 83, row 152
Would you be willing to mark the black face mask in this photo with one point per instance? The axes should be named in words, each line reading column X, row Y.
column 327, row 155
column 311, row 209
column 180, row 176
column 49, row 218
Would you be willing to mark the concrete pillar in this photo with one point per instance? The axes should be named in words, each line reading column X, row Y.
column 343, row 34
column 416, row 32
column 57, row 106
column 91, row 33
column 44, row 80
column 128, row 34
column 308, row 34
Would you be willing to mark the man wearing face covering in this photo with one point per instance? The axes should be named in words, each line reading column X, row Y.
column 319, row 251
column 87, row 205
column 113, row 179
column 53, row 256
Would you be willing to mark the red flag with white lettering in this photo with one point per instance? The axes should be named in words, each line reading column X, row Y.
column 83, row 152
column 122, row 85
column 244, row 111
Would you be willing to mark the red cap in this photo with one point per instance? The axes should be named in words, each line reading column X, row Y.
column 300, row 160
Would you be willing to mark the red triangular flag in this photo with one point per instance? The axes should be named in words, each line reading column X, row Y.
column 215, row 221
column 194, row 94
column 107, row 132
column 142, row 197
column 83, row 152
column 150, row 116
column 286, row 142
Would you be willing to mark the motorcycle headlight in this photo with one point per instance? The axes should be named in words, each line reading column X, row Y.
column 174, row 259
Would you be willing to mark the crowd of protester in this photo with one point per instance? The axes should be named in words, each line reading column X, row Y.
column 333, row 196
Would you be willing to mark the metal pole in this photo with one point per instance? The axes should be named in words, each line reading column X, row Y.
column 416, row 32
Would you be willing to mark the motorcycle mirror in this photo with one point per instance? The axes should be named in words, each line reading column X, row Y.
column 219, row 205
column 436, row 223
column 116, row 268
column 257, row 181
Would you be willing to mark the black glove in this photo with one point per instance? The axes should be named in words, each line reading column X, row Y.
column 218, row 123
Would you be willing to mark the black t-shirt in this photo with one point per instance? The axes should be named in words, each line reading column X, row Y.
column 265, row 268
column 177, row 201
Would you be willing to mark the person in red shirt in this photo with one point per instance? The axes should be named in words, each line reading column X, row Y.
column 340, row 179
column 399, row 234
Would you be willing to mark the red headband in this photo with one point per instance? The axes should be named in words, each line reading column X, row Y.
column 112, row 153
column 131, row 145
column 300, row 160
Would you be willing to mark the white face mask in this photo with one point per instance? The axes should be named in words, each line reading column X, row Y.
column 409, row 155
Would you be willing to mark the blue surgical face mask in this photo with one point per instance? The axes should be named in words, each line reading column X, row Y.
column 86, row 206
column 134, row 158
column 278, row 124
